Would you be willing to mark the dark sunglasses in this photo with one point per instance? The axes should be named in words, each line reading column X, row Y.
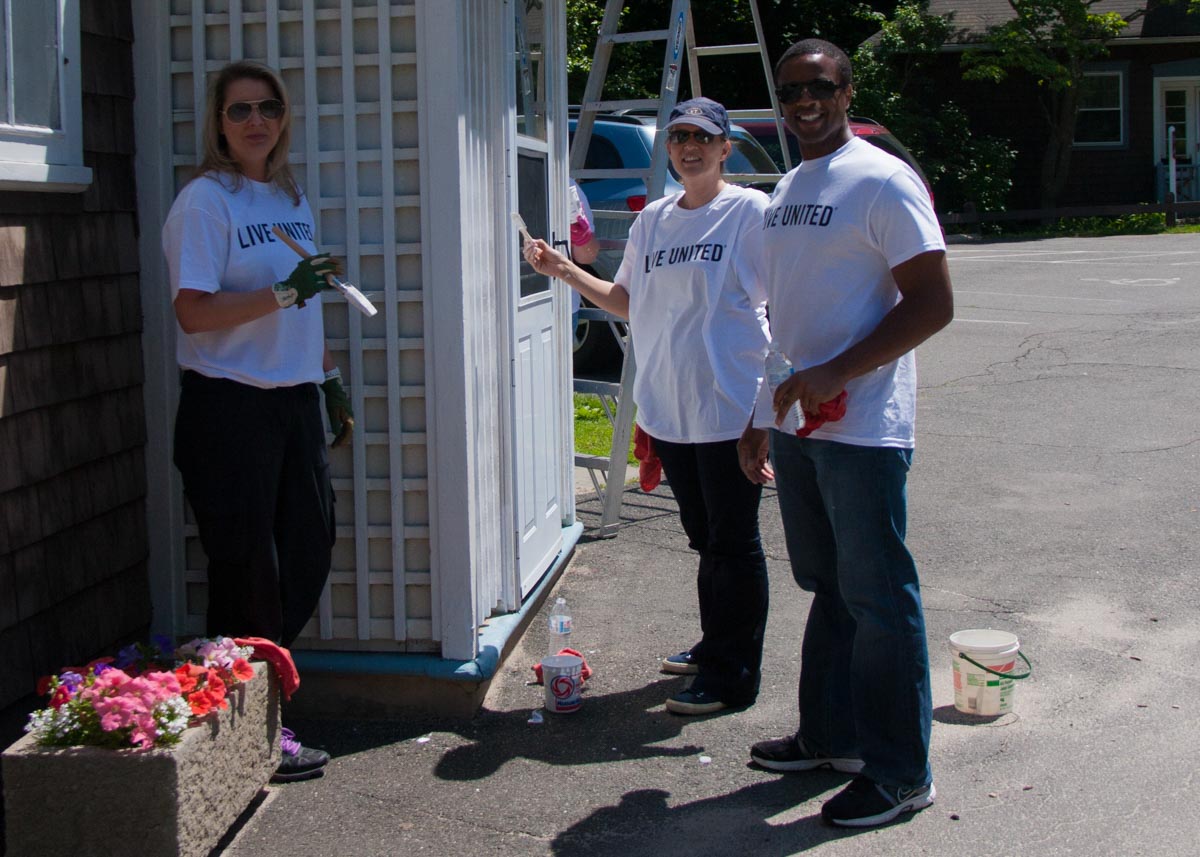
column 820, row 89
column 679, row 137
column 239, row 111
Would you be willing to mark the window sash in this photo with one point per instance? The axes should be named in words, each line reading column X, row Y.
column 1100, row 119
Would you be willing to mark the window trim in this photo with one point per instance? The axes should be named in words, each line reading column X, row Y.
column 41, row 160
column 1120, row 72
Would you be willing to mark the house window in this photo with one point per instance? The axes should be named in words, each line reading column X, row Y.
column 1101, row 119
column 41, row 138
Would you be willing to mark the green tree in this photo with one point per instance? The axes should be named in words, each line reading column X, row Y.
column 892, row 85
column 635, row 70
column 1051, row 40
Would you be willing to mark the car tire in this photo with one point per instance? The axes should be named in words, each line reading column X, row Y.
column 595, row 349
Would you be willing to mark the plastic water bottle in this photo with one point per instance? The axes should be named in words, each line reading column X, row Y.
column 778, row 369
column 560, row 627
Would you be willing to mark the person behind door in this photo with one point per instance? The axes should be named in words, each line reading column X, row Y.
column 699, row 328
column 249, row 437
column 855, row 271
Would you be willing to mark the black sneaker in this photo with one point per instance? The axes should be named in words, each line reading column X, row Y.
column 865, row 803
column 695, row 701
column 298, row 762
column 681, row 664
column 790, row 754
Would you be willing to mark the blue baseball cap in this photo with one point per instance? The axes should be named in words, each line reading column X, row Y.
column 702, row 112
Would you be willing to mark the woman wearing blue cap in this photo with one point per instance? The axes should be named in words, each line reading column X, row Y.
column 697, row 315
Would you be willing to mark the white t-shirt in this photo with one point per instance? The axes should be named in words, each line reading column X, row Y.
column 696, row 315
column 834, row 229
column 218, row 238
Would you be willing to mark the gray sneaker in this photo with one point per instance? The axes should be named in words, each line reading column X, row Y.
column 790, row 754
column 865, row 803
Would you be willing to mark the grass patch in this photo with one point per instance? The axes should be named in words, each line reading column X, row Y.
column 593, row 432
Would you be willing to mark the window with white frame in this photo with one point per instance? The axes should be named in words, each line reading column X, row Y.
column 1101, row 117
column 41, row 134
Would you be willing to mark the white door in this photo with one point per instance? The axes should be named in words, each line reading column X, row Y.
column 1181, row 112
column 538, row 197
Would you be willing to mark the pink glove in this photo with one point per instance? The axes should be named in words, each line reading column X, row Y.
column 581, row 231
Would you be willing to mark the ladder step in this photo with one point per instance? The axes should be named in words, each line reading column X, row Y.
column 643, row 36
column 596, row 314
column 644, row 175
column 725, row 50
column 597, row 388
column 623, row 104
column 591, row 462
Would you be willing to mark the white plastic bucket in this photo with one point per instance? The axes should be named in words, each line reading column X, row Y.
column 984, row 663
column 562, row 676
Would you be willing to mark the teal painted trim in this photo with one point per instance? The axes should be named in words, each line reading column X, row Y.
column 493, row 637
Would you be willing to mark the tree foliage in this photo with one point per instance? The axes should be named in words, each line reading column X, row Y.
column 1052, row 41
column 892, row 86
column 739, row 82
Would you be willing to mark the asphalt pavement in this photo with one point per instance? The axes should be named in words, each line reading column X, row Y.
column 1054, row 494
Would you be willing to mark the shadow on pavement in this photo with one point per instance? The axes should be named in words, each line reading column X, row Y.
column 609, row 728
column 736, row 823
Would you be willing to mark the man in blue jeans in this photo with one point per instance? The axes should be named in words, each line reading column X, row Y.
column 854, row 266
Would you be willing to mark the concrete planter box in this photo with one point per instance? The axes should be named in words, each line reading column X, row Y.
column 178, row 801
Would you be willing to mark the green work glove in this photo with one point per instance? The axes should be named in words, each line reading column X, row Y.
column 306, row 280
column 337, row 406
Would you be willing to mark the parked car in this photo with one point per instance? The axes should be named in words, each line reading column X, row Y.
column 764, row 131
column 626, row 142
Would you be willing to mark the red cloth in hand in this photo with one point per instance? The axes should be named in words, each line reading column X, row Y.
column 649, row 464
column 830, row 412
column 584, row 674
column 279, row 658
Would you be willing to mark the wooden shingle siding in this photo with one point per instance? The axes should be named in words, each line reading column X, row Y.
column 73, row 542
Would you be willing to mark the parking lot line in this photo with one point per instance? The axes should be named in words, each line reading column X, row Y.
column 1048, row 297
column 991, row 321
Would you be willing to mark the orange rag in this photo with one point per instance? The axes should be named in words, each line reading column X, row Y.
column 279, row 658
column 584, row 674
column 649, row 464
column 829, row 412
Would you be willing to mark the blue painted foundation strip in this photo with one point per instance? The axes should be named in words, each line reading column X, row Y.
column 493, row 637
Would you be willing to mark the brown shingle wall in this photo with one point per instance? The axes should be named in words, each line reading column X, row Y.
column 73, row 545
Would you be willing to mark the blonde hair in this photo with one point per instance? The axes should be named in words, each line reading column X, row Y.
column 216, row 151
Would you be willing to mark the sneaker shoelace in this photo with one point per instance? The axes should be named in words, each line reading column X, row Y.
column 288, row 742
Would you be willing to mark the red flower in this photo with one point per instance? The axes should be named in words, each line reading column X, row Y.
column 242, row 670
column 189, row 676
column 62, row 695
column 201, row 702
column 43, row 685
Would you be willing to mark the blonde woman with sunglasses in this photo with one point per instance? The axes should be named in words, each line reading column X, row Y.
column 249, row 436
column 698, row 321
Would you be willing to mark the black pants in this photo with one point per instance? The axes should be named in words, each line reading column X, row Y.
column 256, row 474
column 718, row 507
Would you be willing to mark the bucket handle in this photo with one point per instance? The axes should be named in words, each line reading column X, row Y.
column 1020, row 654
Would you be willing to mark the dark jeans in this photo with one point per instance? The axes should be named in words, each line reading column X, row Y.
column 256, row 474
column 864, row 666
column 718, row 507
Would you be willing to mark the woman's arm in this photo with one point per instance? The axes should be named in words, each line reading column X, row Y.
column 202, row 312
column 544, row 259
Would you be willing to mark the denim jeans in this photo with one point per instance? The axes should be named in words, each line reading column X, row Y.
column 864, row 671
column 718, row 507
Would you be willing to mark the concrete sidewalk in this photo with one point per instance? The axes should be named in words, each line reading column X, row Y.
column 1054, row 494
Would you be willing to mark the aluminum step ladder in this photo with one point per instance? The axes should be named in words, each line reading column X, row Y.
column 607, row 473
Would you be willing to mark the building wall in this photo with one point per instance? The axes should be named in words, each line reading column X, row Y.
column 73, row 573
column 1010, row 110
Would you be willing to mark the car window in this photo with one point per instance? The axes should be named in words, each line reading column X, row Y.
column 748, row 157
column 602, row 155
